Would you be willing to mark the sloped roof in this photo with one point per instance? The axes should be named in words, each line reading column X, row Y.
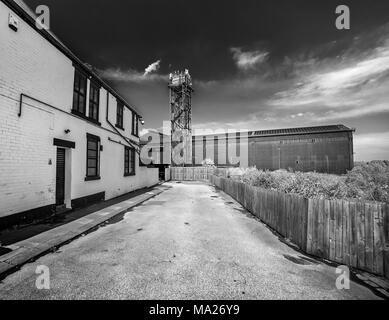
column 303, row 130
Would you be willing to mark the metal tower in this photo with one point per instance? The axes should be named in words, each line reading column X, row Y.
column 180, row 90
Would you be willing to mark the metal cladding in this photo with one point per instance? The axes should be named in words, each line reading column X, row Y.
column 326, row 149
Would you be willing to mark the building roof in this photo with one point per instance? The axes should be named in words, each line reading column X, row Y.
column 262, row 133
column 303, row 130
column 25, row 12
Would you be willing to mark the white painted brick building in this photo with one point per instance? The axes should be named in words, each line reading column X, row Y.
column 48, row 112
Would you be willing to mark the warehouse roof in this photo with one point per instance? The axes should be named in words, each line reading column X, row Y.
column 262, row 133
column 303, row 130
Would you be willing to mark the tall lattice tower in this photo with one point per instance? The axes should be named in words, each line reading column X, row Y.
column 180, row 87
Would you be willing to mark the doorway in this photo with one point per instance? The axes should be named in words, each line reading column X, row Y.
column 60, row 178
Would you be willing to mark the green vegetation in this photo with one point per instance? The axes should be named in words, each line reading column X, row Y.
column 367, row 181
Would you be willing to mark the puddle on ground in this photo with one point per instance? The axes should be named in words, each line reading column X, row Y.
column 309, row 260
column 300, row 260
column 154, row 203
column 4, row 251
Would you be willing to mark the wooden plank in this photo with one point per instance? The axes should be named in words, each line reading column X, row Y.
column 274, row 211
column 378, row 234
column 386, row 240
column 295, row 213
column 280, row 204
column 353, row 243
column 283, row 215
column 264, row 207
column 326, row 229
column 249, row 195
column 338, row 231
column 314, row 226
column 369, row 212
column 320, row 228
column 332, row 223
column 345, row 233
column 361, row 235
column 271, row 210
column 300, row 222
column 255, row 201
column 288, row 217
column 260, row 204
column 305, row 223
column 310, row 227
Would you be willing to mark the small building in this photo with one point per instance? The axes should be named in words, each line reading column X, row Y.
column 326, row 149
column 67, row 137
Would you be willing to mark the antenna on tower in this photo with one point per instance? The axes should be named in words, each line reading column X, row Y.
column 180, row 90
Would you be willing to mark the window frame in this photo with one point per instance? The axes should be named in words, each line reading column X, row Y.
column 135, row 125
column 119, row 115
column 82, row 79
column 129, row 161
column 96, row 139
column 94, row 88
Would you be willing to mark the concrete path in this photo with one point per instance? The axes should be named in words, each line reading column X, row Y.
column 31, row 248
column 190, row 242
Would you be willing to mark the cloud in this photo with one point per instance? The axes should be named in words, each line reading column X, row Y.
column 131, row 75
column 249, row 59
column 152, row 67
column 335, row 82
column 351, row 85
column 371, row 146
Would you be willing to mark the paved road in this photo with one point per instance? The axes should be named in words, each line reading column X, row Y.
column 190, row 242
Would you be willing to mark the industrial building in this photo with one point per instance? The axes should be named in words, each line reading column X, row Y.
column 67, row 137
column 326, row 149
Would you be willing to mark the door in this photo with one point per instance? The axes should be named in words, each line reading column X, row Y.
column 60, row 177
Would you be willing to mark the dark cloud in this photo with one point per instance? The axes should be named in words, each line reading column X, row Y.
column 255, row 64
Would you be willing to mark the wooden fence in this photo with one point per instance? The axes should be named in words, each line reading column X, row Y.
column 190, row 173
column 352, row 233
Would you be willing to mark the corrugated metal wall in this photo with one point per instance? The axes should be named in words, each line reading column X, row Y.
column 322, row 152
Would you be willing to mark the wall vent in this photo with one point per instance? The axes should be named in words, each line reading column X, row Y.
column 13, row 22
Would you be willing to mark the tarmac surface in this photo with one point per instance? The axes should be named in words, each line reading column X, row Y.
column 189, row 242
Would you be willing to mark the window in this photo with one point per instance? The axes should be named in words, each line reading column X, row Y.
column 129, row 161
column 119, row 115
column 135, row 127
column 92, row 158
column 79, row 93
column 94, row 101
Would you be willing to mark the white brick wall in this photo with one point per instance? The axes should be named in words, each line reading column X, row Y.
column 29, row 64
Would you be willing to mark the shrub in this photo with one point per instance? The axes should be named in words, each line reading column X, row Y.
column 208, row 163
column 367, row 181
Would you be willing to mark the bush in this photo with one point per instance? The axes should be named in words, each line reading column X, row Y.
column 367, row 181
column 208, row 163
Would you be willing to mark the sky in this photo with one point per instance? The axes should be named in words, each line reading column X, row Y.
column 255, row 64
